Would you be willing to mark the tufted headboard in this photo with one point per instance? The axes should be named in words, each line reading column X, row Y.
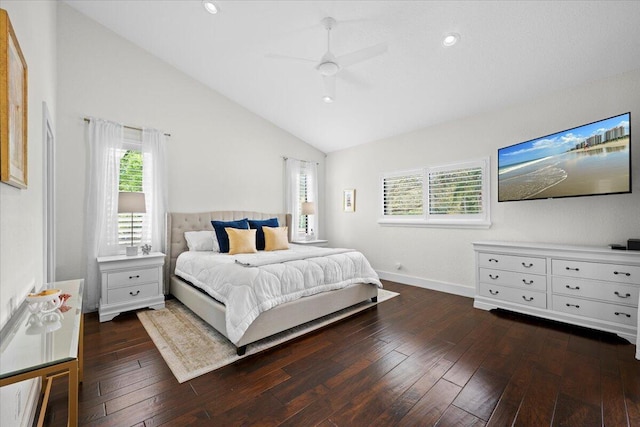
column 178, row 223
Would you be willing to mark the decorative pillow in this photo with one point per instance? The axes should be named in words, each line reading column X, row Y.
column 276, row 238
column 221, row 234
column 258, row 224
column 241, row 241
column 201, row 240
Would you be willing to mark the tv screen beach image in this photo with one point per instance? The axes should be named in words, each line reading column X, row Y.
column 587, row 160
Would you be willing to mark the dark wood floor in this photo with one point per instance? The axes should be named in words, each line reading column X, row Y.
column 423, row 358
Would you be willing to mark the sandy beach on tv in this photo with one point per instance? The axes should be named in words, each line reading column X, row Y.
column 599, row 169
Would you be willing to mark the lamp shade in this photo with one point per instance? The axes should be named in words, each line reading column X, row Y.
column 130, row 202
column 308, row 208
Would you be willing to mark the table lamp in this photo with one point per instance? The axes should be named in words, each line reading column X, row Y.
column 308, row 208
column 131, row 202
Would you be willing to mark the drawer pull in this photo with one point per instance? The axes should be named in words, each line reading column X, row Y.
column 137, row 276
column 530, row 282
column 622, row 272
column 493, row 260
column 572, row 305
column 133, row 294
column 493, row 277
column 572, row 288
column 622, row 314
column 527, row 299
column 572, row 269
column 492, row 292
column 625, row 295
column 527, row 265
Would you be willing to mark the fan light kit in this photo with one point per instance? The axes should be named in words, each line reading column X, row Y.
column 209, row 6
column 329, row 65
column 450, row 39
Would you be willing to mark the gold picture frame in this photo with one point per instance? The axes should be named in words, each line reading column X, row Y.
column 13, row 107
column 349, row 200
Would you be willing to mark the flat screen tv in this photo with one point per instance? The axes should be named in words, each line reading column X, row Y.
column 588, row 160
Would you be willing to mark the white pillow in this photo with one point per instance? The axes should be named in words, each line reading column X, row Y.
column 202, row 241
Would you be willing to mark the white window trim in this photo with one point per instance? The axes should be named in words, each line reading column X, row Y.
column 427, row 220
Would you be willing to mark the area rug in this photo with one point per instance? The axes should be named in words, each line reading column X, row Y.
column 192, row 348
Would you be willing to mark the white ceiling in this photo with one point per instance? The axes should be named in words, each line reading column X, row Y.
column 510, row 51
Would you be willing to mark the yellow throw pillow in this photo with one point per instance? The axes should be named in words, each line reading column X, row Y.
column 275, row 238
column 241, row 241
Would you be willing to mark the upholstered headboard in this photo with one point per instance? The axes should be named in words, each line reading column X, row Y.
column 178, row 223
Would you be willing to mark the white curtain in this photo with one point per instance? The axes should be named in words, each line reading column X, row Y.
column 154, row 186
column 294, row 170
column 105, row 140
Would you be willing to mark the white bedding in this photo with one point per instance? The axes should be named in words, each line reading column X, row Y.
column 279, row 277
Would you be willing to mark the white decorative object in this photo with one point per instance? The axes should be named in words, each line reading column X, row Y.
column 45, row 301
column 146, row 249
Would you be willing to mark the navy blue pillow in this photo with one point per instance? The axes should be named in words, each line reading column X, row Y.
column 221, row 233
column 258, row 224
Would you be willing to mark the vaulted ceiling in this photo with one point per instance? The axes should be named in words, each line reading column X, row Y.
column 509, row 51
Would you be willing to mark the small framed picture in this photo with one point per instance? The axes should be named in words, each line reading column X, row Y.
column 349, row 200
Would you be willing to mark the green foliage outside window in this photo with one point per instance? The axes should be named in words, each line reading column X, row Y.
column 131, row 171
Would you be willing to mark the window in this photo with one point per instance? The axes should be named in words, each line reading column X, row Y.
column 403, row 194
column 454, row 195
column 304, row 184
column 301, row 185
column 130, row 179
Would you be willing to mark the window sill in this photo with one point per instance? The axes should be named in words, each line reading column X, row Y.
column 387, row 222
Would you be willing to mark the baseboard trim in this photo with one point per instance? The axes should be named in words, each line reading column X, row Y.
column 450, row 288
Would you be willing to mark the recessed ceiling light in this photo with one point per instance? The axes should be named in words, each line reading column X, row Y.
column 210, row 6
column 327, row 99
column 450, row 39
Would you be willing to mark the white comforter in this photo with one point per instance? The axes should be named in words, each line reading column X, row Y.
column 278, row 277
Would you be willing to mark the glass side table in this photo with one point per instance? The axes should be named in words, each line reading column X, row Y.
column 46, row 345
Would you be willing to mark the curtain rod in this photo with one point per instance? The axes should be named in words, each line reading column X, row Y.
column 87, row 119
column 300, row 160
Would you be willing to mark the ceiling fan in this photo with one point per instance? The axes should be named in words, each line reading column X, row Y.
column 330, row 65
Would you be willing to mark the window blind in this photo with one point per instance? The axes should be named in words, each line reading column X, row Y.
column 403, row 194
column 455, row 191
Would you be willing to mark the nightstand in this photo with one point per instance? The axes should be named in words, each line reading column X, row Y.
column 311, row 242
column 129, row 283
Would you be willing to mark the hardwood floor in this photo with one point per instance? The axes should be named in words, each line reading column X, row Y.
column 423, row 358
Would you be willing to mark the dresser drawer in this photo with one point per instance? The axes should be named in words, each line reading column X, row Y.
column 522, row 264
column 132, row 277
column 596, row 271
column 133, row 293
column 596, row 310
column 516, row 279
column 515, row 295
column 612, row 292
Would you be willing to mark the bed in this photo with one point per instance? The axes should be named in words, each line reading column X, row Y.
column 269, row 322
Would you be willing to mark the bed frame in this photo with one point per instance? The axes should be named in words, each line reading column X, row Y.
column 268, row 323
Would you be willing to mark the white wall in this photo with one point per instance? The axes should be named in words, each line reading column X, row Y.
column 21, row 211
column 221, row 156
column 442, row 257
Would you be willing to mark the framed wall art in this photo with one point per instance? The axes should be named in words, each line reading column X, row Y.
column 349, row 200
column 13, row 107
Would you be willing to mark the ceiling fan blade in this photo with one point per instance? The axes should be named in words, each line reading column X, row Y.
column 361, row 55
column 329, row 88
column 352, row 79
column 292, row 58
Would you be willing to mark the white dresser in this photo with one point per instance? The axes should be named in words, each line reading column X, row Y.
column 129, row 283
column 595, row 287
